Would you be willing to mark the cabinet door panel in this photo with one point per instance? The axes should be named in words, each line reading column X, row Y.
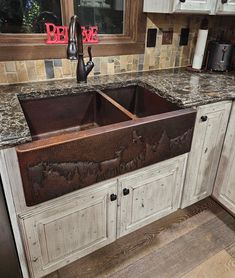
column 153, row 193
column 159, row 6
column 205, row 151
column 224, row 189
column 190, row 6
column 226, row 8
column 65, row 232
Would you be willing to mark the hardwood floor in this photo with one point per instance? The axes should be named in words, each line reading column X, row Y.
column 196, row 242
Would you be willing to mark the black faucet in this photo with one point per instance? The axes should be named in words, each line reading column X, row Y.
column 75, row 50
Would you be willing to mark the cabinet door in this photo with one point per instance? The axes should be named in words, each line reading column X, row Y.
column 193, row 6
column 208, row 137
column 65, row 231
column 224, row 189
column 225, row 7
column 149, row 194
column 159, row 6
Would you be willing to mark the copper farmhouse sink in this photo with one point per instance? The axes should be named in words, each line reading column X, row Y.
column 140, row 101
column 84, row 138
column 57, row 115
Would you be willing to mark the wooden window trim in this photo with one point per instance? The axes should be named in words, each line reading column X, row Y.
column 32, row 46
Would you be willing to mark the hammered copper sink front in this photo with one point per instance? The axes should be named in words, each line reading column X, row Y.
column 86, row 138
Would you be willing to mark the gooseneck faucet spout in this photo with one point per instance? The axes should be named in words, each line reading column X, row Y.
column 75, row 50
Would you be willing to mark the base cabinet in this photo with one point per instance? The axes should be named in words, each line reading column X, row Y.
column 72, row 226
column 224, row 189
column 149, row 195
column 66, row 231
column 210, row 127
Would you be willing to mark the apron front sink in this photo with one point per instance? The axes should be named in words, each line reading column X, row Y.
column 88, row 138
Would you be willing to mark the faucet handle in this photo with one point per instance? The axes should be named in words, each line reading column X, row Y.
column 90, row 65
column 89, row 53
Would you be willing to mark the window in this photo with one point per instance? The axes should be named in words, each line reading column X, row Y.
column 121, row 26
column 28, row 16
column 108, row 15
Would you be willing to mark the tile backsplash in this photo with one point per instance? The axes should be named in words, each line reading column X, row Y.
column 39, row 70
column 162, row 56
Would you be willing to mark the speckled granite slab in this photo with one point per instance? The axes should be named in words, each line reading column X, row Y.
column 185, row 88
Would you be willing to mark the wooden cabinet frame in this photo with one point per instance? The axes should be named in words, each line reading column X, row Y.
column 32, row 46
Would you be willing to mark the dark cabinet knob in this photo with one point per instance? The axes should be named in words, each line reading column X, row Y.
column 224, row 1
column 204, row 118
column 182, row 1
column 126, row 191
column 113, row 197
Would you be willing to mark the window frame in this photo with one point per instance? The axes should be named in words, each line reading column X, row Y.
column 32, row 46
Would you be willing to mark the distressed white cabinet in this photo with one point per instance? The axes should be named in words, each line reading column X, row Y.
column 60, row 231
column 150, row 194
column 224, row 189
column 180, row 6
column 193, row 6
column 67, row 230
column 159, row 6
column 225, row 7
column 208, row 138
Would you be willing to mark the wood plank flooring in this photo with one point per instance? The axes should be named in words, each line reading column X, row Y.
column 196, row 242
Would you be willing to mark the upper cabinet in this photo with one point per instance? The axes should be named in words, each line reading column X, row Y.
column 193, row 6
column 159, row 6
column 225, row 7
column 190, row 6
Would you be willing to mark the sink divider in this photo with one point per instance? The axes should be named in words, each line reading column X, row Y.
column 117, row 105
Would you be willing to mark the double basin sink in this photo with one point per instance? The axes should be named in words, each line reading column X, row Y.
column 84, row 138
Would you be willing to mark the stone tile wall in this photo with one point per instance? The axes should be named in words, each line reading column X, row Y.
column 39, row 70
column 160, row 57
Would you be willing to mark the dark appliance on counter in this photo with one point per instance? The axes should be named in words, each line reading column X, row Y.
column 9, row 263
column 219, row 56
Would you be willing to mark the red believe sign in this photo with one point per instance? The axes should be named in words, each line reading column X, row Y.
column 59, row 34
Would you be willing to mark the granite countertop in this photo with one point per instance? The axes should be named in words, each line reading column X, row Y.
column 180, row 86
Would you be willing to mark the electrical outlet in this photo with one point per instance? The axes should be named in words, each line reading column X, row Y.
column 151, row 37
column 184, row 36
column 167, row 36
